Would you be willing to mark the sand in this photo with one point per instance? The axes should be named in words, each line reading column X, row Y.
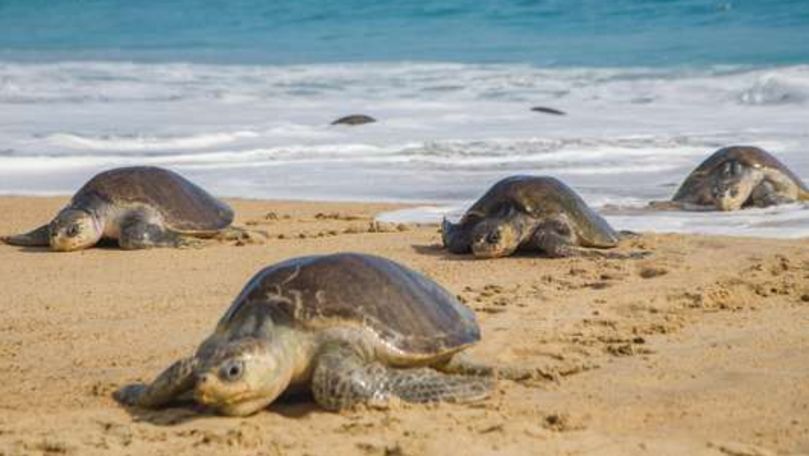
column 700, row 348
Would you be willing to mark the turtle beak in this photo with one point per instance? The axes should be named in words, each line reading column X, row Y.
column 202, row 391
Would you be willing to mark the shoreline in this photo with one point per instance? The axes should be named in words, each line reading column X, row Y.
column 666, row 354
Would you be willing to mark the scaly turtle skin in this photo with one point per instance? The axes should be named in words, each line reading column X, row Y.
column 736, row 177
column 528, row 212
column 352, row 328
column 139, row 206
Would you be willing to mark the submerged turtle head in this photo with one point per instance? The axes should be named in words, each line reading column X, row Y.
column 244, row 376
column 733, row 186
column 74, row 229
column 493, row 238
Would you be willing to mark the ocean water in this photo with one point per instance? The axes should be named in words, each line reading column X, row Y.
column 239, row 96
column 539, row 32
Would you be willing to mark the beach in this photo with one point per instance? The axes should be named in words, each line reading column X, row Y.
column 691, row 339
column 698, row 347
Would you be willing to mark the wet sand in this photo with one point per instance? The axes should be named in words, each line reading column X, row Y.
column 700, row 348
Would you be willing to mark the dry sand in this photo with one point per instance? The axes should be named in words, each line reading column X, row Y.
column 700, row 348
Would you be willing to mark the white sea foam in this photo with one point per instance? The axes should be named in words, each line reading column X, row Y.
column 144, row 142
column 445, row 131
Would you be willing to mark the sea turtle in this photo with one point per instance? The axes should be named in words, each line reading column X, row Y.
column 352, row 328
column 354, row 119
column 140, row 206
column 532, row 212
column 735, row 177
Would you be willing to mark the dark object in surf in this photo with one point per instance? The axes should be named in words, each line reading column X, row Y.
column 547, row 110
column 354, row 119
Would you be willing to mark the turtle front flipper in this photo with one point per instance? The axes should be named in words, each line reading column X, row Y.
column 39, row 237
column 343, row 379
column 175, row 381
column 139, row 232
column 556, row 238
column 765, row 195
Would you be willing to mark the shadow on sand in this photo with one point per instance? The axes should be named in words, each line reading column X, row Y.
column 185, row 411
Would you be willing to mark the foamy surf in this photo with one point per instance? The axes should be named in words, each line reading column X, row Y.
column 144, row 142
column 446, row 131
column 788, row 221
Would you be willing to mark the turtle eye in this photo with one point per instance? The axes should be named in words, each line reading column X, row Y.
column 72, row 230
column 734, row 192
column 493, row 237
column 232, row 370
column 562, row 229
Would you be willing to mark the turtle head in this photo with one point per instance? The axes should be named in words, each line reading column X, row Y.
column 733, row 186
column 74, row 229
column 244, row 376
column 493, row 238
column 455, row 237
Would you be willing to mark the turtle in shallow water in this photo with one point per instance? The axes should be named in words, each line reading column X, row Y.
column 352, row 328
column 138, row 206
column 528, row 212
column 736, row 177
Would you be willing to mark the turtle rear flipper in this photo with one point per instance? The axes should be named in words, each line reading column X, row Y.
column 803, row 193
column 463, row 364
column 666, row 205
column 679, row 206
column 592, row 253
column 343, row 379
column 241, row 235
column 39, row 237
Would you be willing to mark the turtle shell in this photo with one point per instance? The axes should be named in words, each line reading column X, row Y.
column 700, row 180
column 185, row 207
column 409, row 313
column 540, row 197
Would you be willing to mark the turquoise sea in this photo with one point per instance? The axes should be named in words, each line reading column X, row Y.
column 239, row 95
column 539, row 32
